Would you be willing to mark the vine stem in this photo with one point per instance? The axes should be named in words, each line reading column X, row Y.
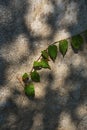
column 52, row 44
column 41, row 56
column 36, row 60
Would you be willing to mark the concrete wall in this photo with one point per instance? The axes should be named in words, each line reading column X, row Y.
column 26, row 28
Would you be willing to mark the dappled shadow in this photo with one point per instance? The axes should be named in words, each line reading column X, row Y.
column 46, row 111
column 15, row 116
column 76, row 81
column 12, row 23
column 11, row 26
column 12, row 17
column 52, row 109
column 76, row 86
column 3, row 67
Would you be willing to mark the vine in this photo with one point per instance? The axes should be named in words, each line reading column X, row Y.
column 50, row 53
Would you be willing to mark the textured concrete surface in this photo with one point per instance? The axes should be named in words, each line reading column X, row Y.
column 26, row 28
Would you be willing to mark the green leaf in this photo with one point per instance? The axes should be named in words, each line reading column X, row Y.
column 25, row 77
column 45, row 54
column 85, row 32
column 35, row 76
column 77, row 42
column 63, row 47
column 29, row 90
column 37, row 65
column 44, row 64
column 52, row 51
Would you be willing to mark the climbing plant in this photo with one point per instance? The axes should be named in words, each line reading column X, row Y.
column 50, row 53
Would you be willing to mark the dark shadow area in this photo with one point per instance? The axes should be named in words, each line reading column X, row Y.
column 3, row 67
column 78, row 93
column 72, row 28
column 16, row 117
column 12, row 18
column 52, row 19
column 75, row 28
column 52, row 109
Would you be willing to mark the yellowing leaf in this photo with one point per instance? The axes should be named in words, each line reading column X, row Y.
column 52, row 51
column 63, row 46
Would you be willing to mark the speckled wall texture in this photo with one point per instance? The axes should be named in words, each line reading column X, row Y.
column 26, row 28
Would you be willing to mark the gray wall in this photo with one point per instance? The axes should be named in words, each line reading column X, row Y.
column 26, row 28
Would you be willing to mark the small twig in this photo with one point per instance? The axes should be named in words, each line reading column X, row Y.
column 36, row 60
column 20, row 81
column 45, row 49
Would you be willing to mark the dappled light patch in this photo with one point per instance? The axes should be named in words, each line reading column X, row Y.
column 66, row 122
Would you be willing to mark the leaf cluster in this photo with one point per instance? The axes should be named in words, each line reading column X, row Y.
column 43, row 62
